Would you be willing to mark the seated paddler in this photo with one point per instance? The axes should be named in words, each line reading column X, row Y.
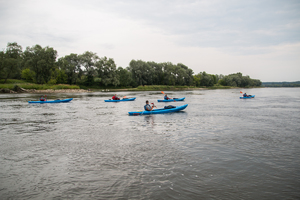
column 148, row 107
column 43, row 98
column 115, row 97
column 166, row 97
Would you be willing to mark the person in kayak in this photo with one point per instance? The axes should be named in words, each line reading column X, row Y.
column 148, row 107
column 245, row 95
column 43, row 98
column 166, row 97
column 115, row 97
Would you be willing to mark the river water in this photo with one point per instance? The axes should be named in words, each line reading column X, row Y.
column 219, row 147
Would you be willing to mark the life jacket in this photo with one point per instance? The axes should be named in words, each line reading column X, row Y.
column 166, row 98
column 42, row 99
column 145, row 107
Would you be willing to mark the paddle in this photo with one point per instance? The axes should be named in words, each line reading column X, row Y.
column 153, row 105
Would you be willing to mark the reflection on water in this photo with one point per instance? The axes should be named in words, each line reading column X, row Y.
column 150, row 120
column 219, row 147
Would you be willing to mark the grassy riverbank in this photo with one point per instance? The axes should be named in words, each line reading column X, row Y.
column 168, row 88
column 12, row 83
column 161, row 88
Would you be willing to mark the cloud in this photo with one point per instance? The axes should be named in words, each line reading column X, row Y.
column 214, row 36
column 219, row 24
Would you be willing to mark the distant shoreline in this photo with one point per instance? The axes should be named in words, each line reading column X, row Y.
column 50, row 91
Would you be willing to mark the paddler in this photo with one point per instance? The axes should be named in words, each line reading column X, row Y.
column 166, row 97
column 43, row 98
column 115, row 97
column 148, row 107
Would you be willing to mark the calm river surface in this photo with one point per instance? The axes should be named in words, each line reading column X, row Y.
column 219, row 147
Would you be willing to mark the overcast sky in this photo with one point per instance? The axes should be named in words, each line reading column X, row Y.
column 259, row 38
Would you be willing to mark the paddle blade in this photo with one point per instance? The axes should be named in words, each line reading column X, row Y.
column 162, row 92
column 241, row 92
column 124, row 97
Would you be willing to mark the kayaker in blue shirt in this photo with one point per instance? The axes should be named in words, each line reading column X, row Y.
column 166, row 97
column 148, row 107
column 245, row 95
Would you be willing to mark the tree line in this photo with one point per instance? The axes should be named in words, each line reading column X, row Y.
column 41, row 65
column 281, row 84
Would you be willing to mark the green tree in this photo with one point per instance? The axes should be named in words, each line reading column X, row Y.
column 158, row 74
column 141, row 72
column 58, row 77
column 187, row 75
column 106, row 70
column 197, row 80
column 70, row 64
column 180, row 74
column 2, row 65
column 10, row 62
column 206, row 79
column 238, row 80
column 88, row 60
column 41, row 61
column 28, row 75
column 125, row 77
column 169, row 73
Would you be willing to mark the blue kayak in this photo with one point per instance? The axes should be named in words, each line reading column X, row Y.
column 248, row 97
column 126, row 99
column 159, row 111
column 171, row 100
column 52, row 101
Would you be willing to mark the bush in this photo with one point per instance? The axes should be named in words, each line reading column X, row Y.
column 27, row 75
column 52, row 81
